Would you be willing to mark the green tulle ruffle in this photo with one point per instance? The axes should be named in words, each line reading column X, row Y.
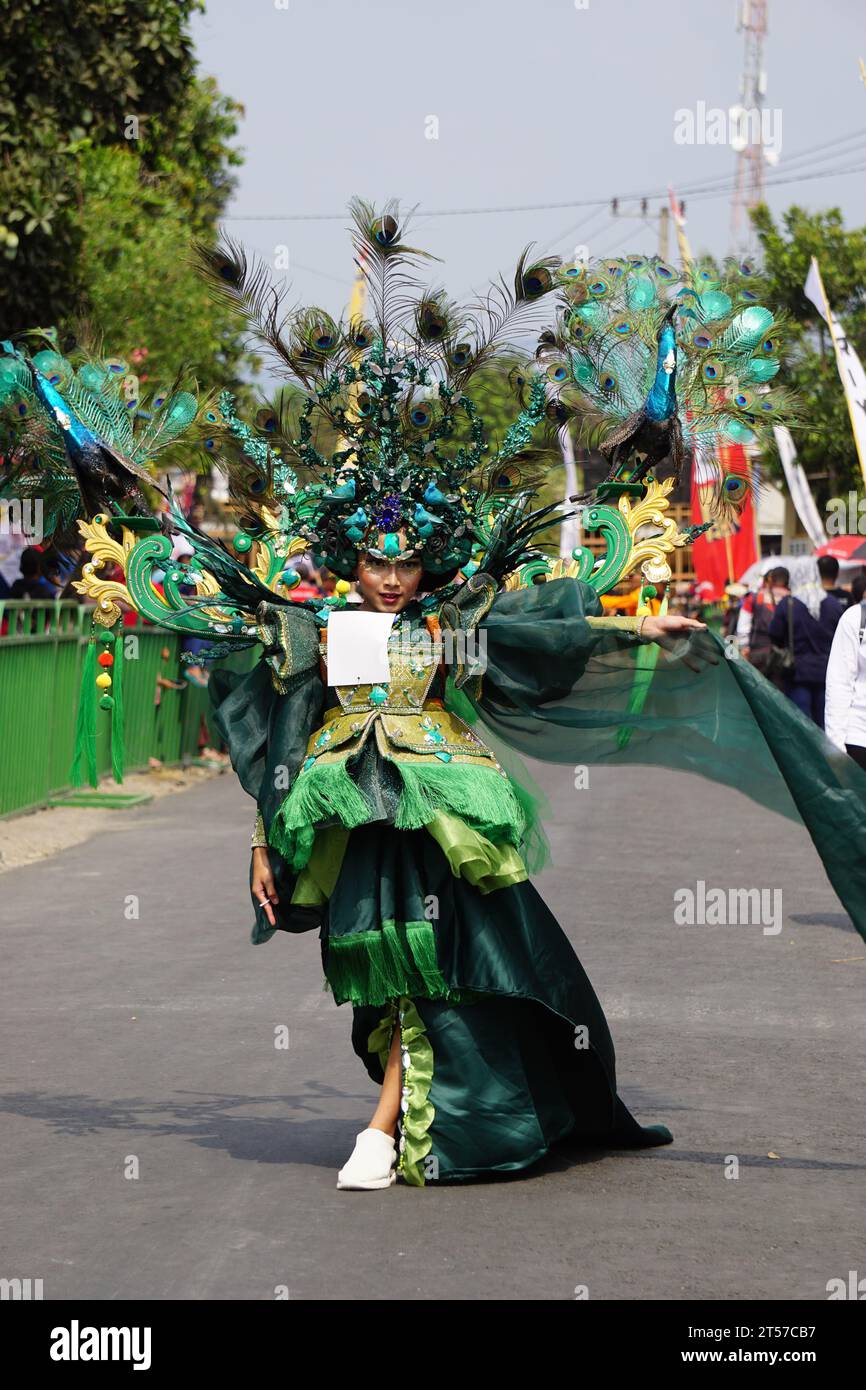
column 472, row 856
column 418, row 1115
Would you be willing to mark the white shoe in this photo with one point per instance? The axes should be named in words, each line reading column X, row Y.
column 371, row 1164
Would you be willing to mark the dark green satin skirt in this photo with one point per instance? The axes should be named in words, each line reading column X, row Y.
column 505, row 1047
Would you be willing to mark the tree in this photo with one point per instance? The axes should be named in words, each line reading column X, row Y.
column 825, row 443
column 113, row 155
column 144, row 294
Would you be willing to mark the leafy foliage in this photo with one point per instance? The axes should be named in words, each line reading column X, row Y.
column 825, row 444
column 113, row 154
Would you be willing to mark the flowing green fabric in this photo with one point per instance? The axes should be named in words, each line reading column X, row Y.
column 559, row 690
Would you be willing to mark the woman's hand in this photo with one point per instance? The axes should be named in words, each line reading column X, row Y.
column 684, row 638
column 262, row 887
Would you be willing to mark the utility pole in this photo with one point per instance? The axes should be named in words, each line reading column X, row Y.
column 643, row 214
column 664, row 231
column 677, row 212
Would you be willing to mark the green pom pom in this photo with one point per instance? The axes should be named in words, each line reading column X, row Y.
column 106, row 702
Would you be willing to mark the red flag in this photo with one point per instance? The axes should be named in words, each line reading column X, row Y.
column 724, row 552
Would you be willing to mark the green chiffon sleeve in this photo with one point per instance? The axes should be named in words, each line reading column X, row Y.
column 265, row 718
column 556, row 687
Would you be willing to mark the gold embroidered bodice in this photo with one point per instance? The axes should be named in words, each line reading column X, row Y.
column 407, row 722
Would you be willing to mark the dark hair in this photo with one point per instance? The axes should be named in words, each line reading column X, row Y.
column 31, row 562
column 828, row 568
column 858, row 587
column 780, row 576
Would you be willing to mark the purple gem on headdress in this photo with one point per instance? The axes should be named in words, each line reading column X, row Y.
column 388, row 516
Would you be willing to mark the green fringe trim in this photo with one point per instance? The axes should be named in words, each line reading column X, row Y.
column 415, row 1142
column 325, row 790
column 533, row 801
column 85, row 728
column 373, row 967
column 478, row 795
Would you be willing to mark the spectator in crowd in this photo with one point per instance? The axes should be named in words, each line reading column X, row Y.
column 845, row 707
column 197, row 512
column 809, row 638
column 731, row 602
column 753, row 625
column 828, row 569
column 34, row 582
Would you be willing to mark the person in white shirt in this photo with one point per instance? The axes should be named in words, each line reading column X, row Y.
column 845, row 704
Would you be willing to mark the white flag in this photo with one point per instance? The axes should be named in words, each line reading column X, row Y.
column 798, row 486
column 849, row 364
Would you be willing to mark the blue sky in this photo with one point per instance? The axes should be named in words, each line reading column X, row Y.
column 538, row 103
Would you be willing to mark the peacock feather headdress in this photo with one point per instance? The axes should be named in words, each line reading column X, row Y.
column 376, row 444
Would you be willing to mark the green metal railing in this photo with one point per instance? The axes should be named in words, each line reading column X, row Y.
column 41, row 653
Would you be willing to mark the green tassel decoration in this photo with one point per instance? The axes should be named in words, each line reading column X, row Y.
column 85, row 728
column 478, row 795
column 118, row 750
column 322, row 791
column 371, row 967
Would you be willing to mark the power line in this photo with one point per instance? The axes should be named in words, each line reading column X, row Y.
column 688, row 190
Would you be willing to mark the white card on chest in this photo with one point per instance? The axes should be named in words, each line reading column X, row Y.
column 358, row 647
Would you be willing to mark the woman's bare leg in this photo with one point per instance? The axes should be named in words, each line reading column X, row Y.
column 385, row 1117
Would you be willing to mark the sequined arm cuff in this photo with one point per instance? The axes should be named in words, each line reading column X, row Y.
column 259, row 838
column 290, row 641
column 613, row 624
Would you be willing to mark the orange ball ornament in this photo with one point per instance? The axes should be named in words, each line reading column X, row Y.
column 105, row 659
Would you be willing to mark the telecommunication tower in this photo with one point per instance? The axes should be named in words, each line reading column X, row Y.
column 747, row 123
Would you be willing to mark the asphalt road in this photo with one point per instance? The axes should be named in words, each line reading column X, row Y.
column 157, row 1144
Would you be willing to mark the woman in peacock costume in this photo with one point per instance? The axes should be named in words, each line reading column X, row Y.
column 393, row 812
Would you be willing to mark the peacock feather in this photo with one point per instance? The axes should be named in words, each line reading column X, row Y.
column 654, row 362
column 79, row 432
